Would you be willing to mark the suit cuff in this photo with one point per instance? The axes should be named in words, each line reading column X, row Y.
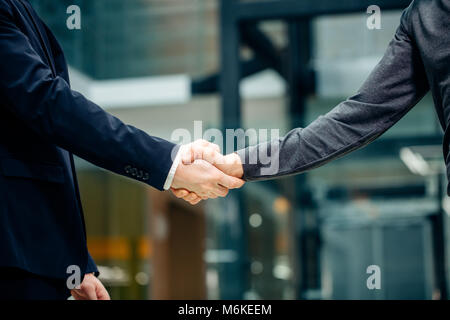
column 91, row 267
column 173, row 169
column 251, row 171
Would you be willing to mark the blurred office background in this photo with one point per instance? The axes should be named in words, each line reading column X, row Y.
column 156, row 64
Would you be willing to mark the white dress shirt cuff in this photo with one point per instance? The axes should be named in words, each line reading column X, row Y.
column 173, row 169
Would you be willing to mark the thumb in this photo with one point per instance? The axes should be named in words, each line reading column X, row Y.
column 213, row 156
column 102, row 293
column 89, row 292
column 231, row 182
column 179, row 193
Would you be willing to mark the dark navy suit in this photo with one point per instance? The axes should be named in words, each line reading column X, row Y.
column 42, row 123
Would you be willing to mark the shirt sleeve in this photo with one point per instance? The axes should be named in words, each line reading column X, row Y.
column 173, row 170
column 396, row 84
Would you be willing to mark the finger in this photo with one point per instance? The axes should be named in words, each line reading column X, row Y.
column 79, row 295
column 187, row 155
column 197, row 148
column 203, row 149
column 219, row 159
column 179, row 193
column 102, row 294
column 88, row 291
column 76, row 295
column 203, row 194
column 231, row 182
column 216, row 147
column 211, row 155
column 212, row 195
column 195, row 201
column 220, row 191
column 202, row 142
column 230, row 164
column 197, row 152
column 191, row 197
column 208, row 144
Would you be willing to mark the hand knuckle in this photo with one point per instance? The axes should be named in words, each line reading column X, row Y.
column 209, row 152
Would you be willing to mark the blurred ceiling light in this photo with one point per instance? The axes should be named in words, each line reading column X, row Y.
column 281, row 205
column 255, row 220
column 415, row 162
column 281, row 271
column 133, row 92
column 256, row 267
column 220, row 256
column 142, row 278
column 113, row 276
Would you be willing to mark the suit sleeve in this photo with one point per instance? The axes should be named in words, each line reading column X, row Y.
column 91, row 267
column 46, row 104
column 396, row 84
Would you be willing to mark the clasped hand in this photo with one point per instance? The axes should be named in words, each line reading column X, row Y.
column 204, row 173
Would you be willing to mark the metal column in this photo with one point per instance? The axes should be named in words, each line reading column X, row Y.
column 234, row 277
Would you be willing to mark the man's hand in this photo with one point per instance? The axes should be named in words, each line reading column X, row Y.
column 203, row 180
column 201, row 150
column 231, row 165
column 90, row 289
column 204, row 150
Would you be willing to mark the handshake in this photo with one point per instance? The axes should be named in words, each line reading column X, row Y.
column 204, row 173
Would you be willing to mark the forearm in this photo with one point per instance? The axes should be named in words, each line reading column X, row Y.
column 67, row 119
column 82, row 127
column 327, row 138
column 396, row 84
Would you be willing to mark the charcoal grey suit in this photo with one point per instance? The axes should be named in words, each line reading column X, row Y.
column 417, row 60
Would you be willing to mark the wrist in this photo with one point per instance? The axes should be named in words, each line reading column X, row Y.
column 237, row 170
